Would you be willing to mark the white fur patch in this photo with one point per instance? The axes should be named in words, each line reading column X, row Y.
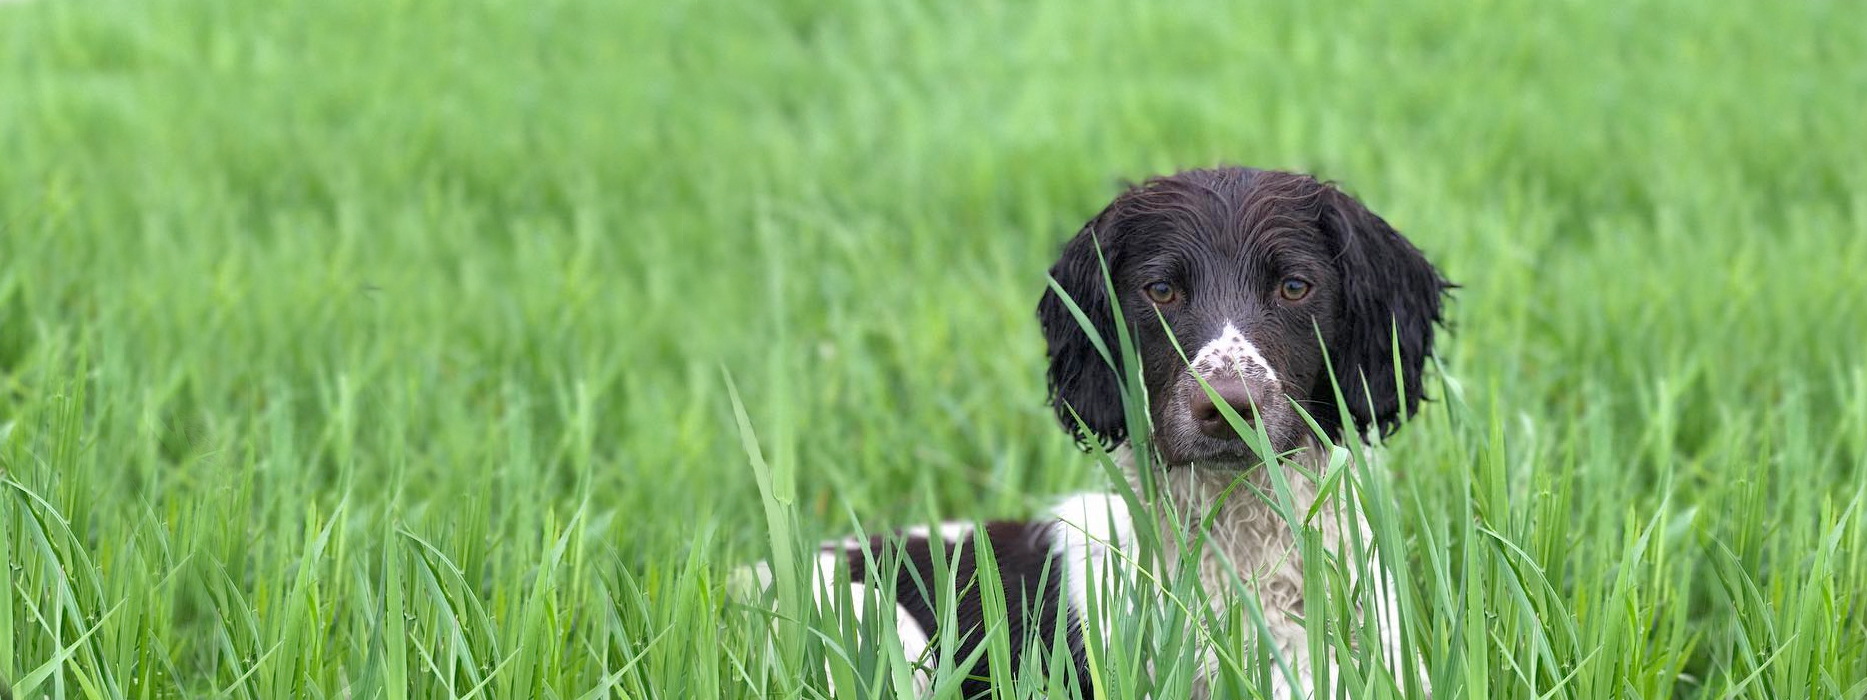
column 952, row 532
column 913, row 646
column 908, row 631
column 1092, row 531
column 758, row 576
column 1231, row 351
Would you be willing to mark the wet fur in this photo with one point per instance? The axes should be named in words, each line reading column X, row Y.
column 1225, row 236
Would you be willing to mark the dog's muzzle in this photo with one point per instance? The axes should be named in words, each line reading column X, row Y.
column 1240, row 379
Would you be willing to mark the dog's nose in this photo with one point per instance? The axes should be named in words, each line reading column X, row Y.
column 1235, row 392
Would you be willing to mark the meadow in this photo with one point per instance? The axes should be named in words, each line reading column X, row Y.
column 389, row 349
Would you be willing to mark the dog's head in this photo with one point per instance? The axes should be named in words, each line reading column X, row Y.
column 1249, row 269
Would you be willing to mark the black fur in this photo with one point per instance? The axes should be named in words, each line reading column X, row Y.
column 1031, row 577
column 1390, row 292
column 1082, row 382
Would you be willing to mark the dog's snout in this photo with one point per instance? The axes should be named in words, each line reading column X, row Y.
column 1237, row 393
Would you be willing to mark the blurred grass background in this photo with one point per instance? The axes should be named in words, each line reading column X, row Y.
column 376, row 349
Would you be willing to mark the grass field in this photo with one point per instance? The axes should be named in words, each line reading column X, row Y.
column 365, row 349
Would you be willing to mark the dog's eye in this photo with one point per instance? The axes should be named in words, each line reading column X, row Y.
column 1293, row 289
column 1162, row 293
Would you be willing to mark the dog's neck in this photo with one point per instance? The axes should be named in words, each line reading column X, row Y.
column 1193, row 490
column 1247, row 532
column 1253, row 520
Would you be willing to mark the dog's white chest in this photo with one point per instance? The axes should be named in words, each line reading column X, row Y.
column 1249, row 548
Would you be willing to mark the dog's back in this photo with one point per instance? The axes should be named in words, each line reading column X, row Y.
column 1266, row 308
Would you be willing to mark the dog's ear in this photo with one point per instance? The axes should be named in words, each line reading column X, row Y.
column 1390, row 292
column 1082, row 384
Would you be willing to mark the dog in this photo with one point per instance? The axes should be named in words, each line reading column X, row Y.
column 1261, row 304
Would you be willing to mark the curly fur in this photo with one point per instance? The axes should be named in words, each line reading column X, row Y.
column 1230, row 244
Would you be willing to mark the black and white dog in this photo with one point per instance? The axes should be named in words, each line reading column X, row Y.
column 1255, row 274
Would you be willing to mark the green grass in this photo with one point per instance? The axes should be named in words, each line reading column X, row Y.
column 381, row 349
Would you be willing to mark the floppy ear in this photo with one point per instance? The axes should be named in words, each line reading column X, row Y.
column 1080, row 379
column 1390, row 292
